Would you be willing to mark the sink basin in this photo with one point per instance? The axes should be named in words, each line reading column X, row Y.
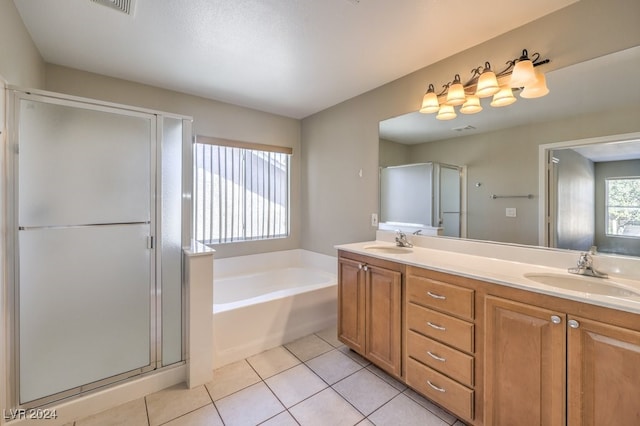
column 584, row 284
column 381, row 248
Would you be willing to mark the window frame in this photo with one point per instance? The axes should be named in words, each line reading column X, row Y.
column 226, row 237
column 607, row 206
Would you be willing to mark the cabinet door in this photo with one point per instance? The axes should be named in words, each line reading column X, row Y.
column 351, row 301
column 604, row 372
column 383, row 320
column 525, row 364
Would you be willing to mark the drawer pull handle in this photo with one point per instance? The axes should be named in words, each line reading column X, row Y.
column 436, row 326
column 439, row 389
column 436, row 296
column 436, row 357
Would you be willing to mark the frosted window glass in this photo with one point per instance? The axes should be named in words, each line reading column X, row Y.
column 171, row 248
column 84, row 306
column 82, row 166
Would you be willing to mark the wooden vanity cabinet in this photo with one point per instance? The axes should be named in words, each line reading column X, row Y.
column 604, row 373
column 525, row 369
column 545, row 365
column 441, row 344
column 490, row 354
column 370, row 309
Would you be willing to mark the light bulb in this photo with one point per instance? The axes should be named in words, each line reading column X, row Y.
column 537, row 89
column 471, row 106
column 446, row 113
column 523, row 73
column 503, row 98
column 487, row 83
column 455, row 93
column 430, row 101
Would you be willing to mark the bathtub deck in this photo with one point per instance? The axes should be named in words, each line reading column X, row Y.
column 315, row 377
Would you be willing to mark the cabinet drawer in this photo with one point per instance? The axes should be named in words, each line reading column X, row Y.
column 447, row 392
column 453, row 363
column 444, row 328
column 458, row 301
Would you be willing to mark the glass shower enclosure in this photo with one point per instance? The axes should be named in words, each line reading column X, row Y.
column 96, row 230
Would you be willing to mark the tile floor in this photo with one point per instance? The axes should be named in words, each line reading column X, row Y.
column 315, row 380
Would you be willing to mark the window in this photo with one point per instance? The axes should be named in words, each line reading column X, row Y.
column 241, row 191
column 623, row 206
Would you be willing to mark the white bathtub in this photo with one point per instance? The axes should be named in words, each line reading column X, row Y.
column 265, row 300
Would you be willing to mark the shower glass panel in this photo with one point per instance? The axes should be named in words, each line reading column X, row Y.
column 84, row 306
column 450, row 200
column 85, row 264
column 171, row 243
column 80, row 166
column 406, row 194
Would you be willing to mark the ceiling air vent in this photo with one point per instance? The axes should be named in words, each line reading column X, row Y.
column 124, row 6
column 464, row 128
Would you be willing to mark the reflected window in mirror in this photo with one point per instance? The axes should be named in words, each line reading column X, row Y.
column 623, row 207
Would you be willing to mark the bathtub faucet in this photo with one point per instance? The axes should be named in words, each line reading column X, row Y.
column 401, row 239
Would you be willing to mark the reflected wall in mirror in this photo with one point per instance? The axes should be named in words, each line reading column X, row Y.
column 500, row 146
column 593, row 195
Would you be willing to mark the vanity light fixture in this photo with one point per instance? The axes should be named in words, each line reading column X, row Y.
column 520, row 74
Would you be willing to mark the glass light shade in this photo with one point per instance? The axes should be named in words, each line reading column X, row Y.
column 471, row 105
column 537, row 89
column 446, row 113
column 503, row 98
column 455, row 93
column 523, row 74
column 429, row 103
column 487, row 84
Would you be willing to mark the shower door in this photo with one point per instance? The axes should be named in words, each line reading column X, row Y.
column 84, row 268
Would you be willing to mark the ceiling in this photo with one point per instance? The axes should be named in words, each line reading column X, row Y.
column 600, row 84
column 288, row 57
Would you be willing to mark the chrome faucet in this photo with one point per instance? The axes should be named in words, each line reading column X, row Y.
column 585, row 265
column 401, row 239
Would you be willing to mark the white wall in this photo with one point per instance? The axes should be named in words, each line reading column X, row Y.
column 339, row 141
column 20, row 61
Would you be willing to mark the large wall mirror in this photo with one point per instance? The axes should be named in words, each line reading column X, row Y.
column 503, row 149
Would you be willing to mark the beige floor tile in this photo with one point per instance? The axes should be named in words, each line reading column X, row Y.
column 386, row 377
column 444, row 415
column 325, row 408
column 282, row 419
column 308, row 347
column 354, row 355
column 205, row 416
column 365, row 422
column 231, row 378
column 365, row 391
column 333, row 366
column 174, row 402
column 249, row 406
column 273, row 361
column 402, row 410
column 330, row 335
column 132, row 413
column 296, row 384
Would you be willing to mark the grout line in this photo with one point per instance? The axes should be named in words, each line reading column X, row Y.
column 146, row 409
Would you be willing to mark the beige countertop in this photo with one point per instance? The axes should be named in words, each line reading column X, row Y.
column 502, row 272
